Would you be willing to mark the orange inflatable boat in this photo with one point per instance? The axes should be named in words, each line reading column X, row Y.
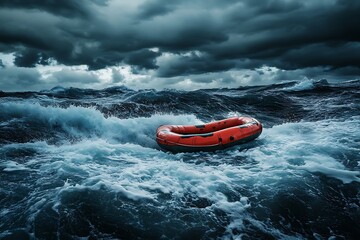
column 208, row 137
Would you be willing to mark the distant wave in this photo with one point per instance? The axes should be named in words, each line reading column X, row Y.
column 308, row 85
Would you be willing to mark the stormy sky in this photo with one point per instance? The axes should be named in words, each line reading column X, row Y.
column 184, row 44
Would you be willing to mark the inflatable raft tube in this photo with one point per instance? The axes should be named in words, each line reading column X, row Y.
column 208, row 137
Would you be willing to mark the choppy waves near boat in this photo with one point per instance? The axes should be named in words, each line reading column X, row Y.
column 84, row 163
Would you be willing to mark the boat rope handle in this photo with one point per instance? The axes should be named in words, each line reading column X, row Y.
column 185, row 145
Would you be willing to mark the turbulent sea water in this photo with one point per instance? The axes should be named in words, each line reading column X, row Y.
column 84, row 164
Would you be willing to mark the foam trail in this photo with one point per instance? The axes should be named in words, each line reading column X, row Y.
column 11, row 166
column 345, row 176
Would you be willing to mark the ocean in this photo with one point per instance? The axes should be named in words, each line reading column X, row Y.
column 84, row 164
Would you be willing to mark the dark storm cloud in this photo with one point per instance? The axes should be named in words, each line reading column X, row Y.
column 29, row 58
column 192, row 63
column 333, row 55
column 228, row 35
column 67, row 8
column 269, row 34
column 142, row 58
column 151, row 9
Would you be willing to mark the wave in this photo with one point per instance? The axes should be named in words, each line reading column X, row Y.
column 274, row 104
column 285, row 146
column 33, row 122
column 309, row 146
column 224, row 187
column 114, row 174
column 308, row 84
column 88, row 158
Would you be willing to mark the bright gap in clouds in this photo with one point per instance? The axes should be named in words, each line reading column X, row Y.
column 7, row 59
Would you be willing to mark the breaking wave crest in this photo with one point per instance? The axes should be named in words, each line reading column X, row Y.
column 74, row 123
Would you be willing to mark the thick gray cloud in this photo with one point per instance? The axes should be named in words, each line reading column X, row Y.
column 24, row 79
column 67, row 8
column 190, row 36
column 18, row 79
column 151, row 9
column 193, row 63
column 143, row 58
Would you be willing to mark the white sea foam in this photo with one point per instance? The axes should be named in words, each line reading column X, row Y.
column 120, row 156
column 306, row 84
column 303, row 85
column 305, row 143
column 345, row 176
column 88, row 122
column 11, row 166
column 311, row 146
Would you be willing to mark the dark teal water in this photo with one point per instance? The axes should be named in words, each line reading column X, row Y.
column 84, row 164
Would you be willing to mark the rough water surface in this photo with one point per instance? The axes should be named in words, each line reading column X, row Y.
column 83, row 163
